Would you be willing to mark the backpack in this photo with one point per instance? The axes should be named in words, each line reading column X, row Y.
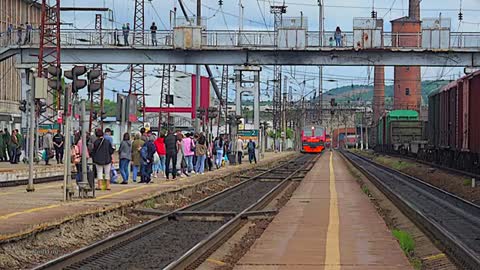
column 251, row 146
column 144, row 153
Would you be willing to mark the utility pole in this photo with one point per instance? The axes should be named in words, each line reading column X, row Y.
column 198, row 88
column 277, row 12
column 67, row 168
column 321, row 30
column 84, row 141
column 31, row 133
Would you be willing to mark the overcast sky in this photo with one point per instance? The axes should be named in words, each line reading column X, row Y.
column 257, row 16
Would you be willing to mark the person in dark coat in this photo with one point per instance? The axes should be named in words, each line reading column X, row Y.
column 102, row 157
column 58, row 141
column 147, row 152
column 171, row 149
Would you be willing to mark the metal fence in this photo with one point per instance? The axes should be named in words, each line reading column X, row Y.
column 236, row 39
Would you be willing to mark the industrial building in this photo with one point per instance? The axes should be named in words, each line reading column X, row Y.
column 15, row 12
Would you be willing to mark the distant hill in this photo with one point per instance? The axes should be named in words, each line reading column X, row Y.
column 365, row 92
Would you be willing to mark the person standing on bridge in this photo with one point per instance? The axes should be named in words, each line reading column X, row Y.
column 19, row 34
column 28, row 33
column 9, row 34
column 338, row 37
column 126, row 32
column 116, row 37
column 153, row 31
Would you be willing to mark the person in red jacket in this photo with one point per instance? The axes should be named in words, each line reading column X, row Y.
column 160, row 145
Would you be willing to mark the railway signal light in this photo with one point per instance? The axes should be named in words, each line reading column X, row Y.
column 74, row 75
column 94, row 80
column 212, row 112
column 55, row 81
column 169, row 99
column 200, row 113
column 41, row 106
column 23, row 106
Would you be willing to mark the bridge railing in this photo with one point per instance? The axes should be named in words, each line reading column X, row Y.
column 253, row 39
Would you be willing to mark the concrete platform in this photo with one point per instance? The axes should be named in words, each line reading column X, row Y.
column 13, row 172
column 328, row 224
column 22, row 213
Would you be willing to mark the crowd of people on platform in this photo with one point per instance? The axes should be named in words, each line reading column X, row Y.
column 11, row 146
column 146, row 156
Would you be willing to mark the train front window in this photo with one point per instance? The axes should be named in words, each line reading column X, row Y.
column 307, row 132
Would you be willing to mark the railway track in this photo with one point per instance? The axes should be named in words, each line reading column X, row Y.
column 435, row 165
column 453, row 222
column 180, row 238
column 22, row 182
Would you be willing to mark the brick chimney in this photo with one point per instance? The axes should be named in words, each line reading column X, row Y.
column 414, row 9
column 378, row 93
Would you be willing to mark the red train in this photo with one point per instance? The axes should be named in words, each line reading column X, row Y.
column 454, row 125
column 313, row 139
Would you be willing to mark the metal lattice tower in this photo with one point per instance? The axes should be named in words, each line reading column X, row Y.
column 137, row 72
column 96, row 99
column 49, row 55
column 166, row 76
column 97, row 104
column 224, row 96
column 98, row 28
column 277, row 12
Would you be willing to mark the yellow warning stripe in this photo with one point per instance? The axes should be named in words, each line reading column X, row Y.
column 434, row 257
column 217, row 262
column 37, row 209
column 332, row 256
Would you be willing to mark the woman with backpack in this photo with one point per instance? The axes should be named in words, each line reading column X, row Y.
column 102, row 158
column 201, row 154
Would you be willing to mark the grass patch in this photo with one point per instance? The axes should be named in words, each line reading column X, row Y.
column 417, row 264
column 395, row 164
column 149, row 203
column 467, row 182
column 366, row 190
column 406, row 241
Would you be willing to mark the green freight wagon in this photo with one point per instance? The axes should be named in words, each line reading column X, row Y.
column 400, row 131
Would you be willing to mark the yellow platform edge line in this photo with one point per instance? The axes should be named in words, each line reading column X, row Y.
column 217, row 262
column 332, row 256
column 434, row 257
column 37, row 209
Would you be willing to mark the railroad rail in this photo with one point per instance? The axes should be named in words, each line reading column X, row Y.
column 39, row 180
column 435, row 165
column 180, row 238
column 445, row 217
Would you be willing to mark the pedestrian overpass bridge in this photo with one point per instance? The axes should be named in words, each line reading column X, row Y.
column 252, row 48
